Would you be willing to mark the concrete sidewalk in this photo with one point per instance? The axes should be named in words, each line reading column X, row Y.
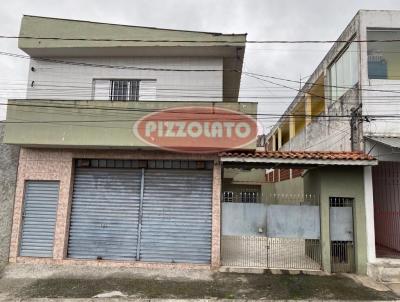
column 46, row 283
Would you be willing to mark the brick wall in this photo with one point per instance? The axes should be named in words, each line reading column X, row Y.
column 283, row 174
column 50, row 164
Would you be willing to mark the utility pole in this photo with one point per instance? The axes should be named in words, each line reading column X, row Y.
column 355, row 120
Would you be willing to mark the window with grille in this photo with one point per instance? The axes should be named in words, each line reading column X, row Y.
column 241, row 197
column 228, row 196
column 124, row 90
column 248, row 197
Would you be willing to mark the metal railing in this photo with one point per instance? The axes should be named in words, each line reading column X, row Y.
column 254, row 196
column 342, row 257
column 266, row 252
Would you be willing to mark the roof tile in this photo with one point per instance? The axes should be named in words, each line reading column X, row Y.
column 325, row 155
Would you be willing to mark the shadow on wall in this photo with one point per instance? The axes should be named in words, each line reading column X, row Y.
column 8, row 174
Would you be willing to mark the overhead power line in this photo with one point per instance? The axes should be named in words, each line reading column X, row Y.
column 126, row 110
column 110, row 66
column 188, row 70
column 196, row 41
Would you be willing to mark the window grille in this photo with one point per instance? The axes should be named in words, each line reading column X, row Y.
column 124, row 90
column 248, row 197
column 228, row 196
column 149, row 164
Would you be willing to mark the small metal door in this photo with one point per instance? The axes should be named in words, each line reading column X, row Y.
column 341, row 234
column 39, row 218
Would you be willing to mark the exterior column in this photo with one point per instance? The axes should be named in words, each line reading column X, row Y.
column 279, row 138
column 307, row 109
column 325, row 236
column 369, row 214
column 292, row 127
column 216, row 216
column 292, row 130
column 274, row 142
column 63, row 211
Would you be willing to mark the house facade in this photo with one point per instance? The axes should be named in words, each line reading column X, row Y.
column 350, row 103
column 80, row 190
column 100, row 182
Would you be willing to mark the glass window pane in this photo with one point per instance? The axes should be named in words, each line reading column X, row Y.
column 383, row 57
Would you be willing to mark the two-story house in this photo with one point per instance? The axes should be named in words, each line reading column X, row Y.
column 81, row 191
column 350, row 103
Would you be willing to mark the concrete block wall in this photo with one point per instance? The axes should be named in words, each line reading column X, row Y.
column 8, row 175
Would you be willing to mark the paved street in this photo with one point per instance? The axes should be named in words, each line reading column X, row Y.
column 84, row 282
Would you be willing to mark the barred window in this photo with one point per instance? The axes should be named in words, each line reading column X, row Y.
column 228, row 196
column 249, row 197
column 124, row 90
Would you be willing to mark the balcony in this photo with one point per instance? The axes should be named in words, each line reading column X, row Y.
column 91, row 124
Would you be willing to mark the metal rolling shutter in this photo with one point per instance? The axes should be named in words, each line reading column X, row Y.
column 39, row 218
column 104, row 215
column 176, row 223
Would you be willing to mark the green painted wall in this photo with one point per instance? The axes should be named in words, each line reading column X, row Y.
column 242, row 176
column 33, row 26
column 340, row 182
column 68, row 127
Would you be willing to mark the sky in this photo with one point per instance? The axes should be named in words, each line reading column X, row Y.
column 260, row 19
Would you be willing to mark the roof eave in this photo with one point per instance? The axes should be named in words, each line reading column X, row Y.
column 311, row 162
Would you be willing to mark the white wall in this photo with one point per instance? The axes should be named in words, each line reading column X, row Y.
column 68, row 81
column 371, row 99
column 381, row 152
column 382, row 103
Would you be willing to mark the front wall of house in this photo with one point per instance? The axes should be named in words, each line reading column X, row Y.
column 345, row 182
column 58, row 165
column 51, row 80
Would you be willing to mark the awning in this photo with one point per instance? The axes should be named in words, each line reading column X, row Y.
column 303, row 158
column 386, row 140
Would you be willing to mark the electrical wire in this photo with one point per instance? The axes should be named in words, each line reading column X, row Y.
column 200, row 41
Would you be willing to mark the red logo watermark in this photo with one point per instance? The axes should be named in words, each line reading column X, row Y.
column 196, row 129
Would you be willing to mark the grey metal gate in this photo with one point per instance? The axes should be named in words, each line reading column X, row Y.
column 39, row 218
column 277, row 231
column 341, row 234
column 104, row 215
column 176, row 224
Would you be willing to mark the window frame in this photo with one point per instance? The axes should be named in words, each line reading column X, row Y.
column 138, row 95
column 337, row 94
column 128, row 92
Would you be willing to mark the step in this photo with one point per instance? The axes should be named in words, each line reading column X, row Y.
column 385, row 270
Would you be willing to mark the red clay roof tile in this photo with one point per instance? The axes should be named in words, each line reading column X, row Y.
column 326, row 155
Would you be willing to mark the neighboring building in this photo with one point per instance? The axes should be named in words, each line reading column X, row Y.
column 350, row 103
column 8, row 177
column 90, row 190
